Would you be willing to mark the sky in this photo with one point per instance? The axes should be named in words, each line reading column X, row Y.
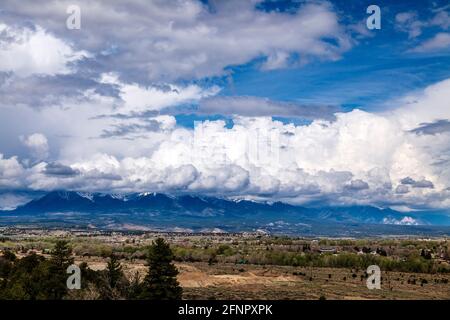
column 294, row 101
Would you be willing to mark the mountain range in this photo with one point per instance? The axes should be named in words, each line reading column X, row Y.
column 198, row 213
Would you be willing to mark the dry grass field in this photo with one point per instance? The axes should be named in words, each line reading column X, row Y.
column 200, row 281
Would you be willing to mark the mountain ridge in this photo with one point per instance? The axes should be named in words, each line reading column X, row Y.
column 191, row 213
column 204, row 206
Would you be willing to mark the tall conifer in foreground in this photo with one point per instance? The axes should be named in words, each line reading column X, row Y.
column 161, row 281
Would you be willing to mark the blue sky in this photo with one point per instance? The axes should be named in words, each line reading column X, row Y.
column 269, row 100
column 363, row 78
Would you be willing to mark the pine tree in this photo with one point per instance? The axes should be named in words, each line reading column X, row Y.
column 61, row 255
column 55, row 282
column 161, row 282
column 114, row 271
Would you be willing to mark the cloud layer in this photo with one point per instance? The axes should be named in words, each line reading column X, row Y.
column 255, row 106
column 189, row 39
column 359, row 157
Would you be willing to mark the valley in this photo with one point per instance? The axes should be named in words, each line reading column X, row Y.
column 259, row 266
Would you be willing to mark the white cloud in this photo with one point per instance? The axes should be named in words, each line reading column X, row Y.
column 11, row 172
column 276, row 60
column 360, row 157
column 440, row 41
column 409, row 22
column 137, row 99
column 428, row 105
column 38, row 145
column 89, row 122
column 34, row 51
column 441, row 19
column 189, row 39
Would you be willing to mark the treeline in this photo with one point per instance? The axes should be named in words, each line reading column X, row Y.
column 351, row 260
column 414, row 262
column 34, row 277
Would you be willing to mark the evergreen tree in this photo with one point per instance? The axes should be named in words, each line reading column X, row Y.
column 61, row 255
column 114, row 271
column 55, row 281
column 24, row 281
column 161, row 281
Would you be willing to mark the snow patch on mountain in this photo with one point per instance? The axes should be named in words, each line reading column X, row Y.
column 87, row 195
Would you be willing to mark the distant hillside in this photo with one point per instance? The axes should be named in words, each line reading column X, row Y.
column 188, row 212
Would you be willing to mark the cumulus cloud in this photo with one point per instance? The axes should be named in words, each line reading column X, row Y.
column 359, row 157
column 341, row 160
column 424, row 106
column 11, row 172
column 37, row 144
column 26, row 51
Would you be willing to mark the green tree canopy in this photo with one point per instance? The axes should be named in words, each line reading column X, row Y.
column 161, row 282
column 114, row 271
